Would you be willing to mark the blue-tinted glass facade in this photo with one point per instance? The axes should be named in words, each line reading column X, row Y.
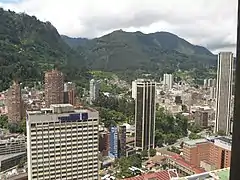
column 113, row 150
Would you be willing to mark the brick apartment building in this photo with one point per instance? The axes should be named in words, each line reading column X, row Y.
column 14, row 103
column 208, row 154
column 220, row 153
column 196, row 151
column 54, row 87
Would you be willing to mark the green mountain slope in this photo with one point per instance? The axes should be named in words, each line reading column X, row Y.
column 160, row 51
column 28, row 47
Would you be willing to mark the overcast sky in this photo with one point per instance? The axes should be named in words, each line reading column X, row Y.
column 211, row 23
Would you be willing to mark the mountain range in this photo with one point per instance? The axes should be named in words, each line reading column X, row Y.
column 28, row 47
column 122, row 50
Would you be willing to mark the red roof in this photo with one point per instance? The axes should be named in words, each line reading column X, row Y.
column 162, row 175
column 178, row 159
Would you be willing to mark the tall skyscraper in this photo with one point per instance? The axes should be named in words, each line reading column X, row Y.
column 14, row 103
column 145, row 109
column 134, row 89
column 113, row 149
column 69, row 93
column 54, row 87
column 168, row 81
column 224, row 92
column 94, row 90
column 62, row 143
column 122, row 140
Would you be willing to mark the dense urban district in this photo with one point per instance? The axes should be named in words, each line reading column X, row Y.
column 115, row 107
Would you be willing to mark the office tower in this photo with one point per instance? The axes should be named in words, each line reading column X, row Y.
column 205, row 83
column 62, row 143
column 94, row 90
column 122, row 140
column 54, row 86
column 224, row 92
column 211, row 83
column 14, row 103
column 69, row 93
column 212, row 93
column 168, row 81
column 113, row 149
column 145, row 108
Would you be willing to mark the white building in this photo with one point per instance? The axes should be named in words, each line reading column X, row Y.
column 168, row 81
column 62, row 143
column 134, row 89
column 94, row 90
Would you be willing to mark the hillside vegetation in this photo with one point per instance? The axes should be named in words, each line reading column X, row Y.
column 28, row 47
column 155, row 52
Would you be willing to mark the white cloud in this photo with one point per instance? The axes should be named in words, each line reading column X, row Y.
column 211, row 23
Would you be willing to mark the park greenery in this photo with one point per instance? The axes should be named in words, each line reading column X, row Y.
column 12, row 127
column 194, row 136
column 174, row 149
column 124, row 163
column 114, row 110
column 169, row 128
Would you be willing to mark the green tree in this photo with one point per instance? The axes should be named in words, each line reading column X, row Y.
column 194, row 136
column 3, row 121
column 152, row 152
column 144, row 153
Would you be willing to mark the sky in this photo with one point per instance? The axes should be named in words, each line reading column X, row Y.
column 210, row 23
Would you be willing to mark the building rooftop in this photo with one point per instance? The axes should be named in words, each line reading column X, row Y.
column 162, row 175
column 196, row 141
column 4, row 157
column 60, row 108
column 226, row 139
column 178, row 159
column 220, row 174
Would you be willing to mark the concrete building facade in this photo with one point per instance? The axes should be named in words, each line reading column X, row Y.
column 168, row 81
column 62, row 143
column 69, row 93
column 224, row 92
column 94, row 90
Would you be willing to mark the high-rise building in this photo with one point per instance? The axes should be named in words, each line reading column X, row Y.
column 113, row 149
column 201, row 118
column 14, row 103
column 212, row 93
column 62, row 143
column 69, row 93
column 122, row 140
column 94, row 90
column 145, row 109
column 54, row 87
column 104, row 143
column 205, row 83
column 168, row 81
column 134, row 89
column 224, row 92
